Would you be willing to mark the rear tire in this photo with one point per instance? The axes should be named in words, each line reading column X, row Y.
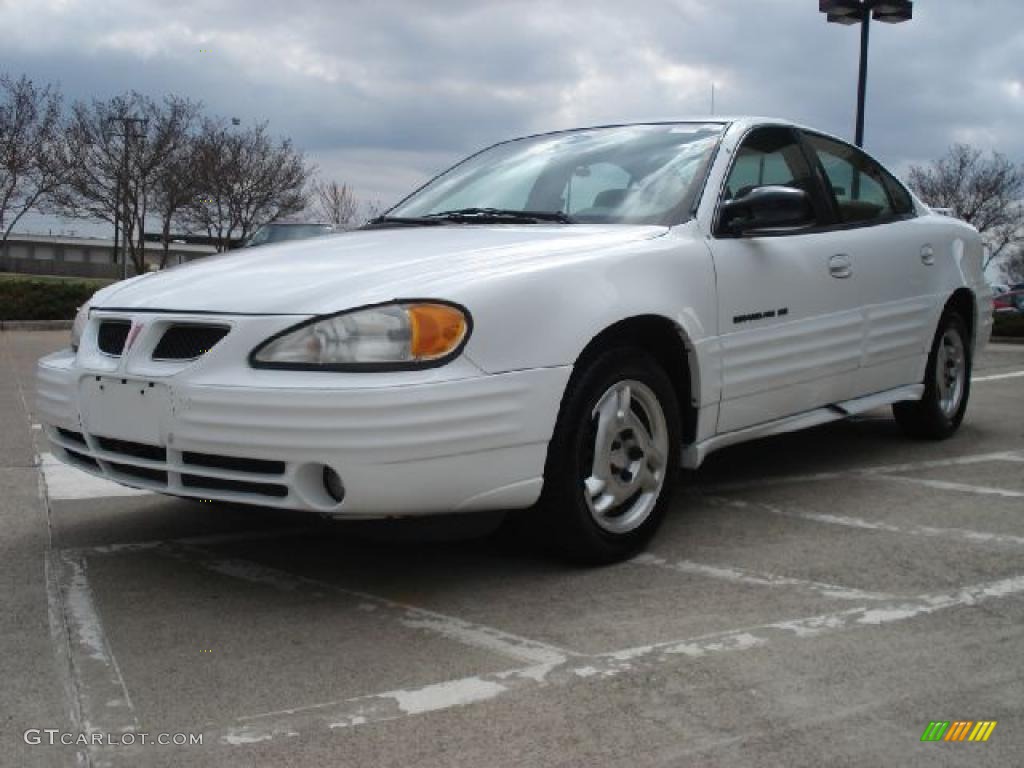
column 947, row 384
column 612, row 459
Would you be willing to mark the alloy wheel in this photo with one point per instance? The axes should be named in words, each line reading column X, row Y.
column 630, row 449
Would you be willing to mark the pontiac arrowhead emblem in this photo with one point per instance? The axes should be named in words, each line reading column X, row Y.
column 133, row 334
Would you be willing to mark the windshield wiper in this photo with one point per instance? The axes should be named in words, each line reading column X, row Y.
column 470, row 216
column 401, row 221
column 500, row 214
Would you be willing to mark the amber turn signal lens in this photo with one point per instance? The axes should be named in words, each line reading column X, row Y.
column 437, row 329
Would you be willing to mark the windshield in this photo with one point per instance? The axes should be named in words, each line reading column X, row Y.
column 633, row 174
column 276, row 233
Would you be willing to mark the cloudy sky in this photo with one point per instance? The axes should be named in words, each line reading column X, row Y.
column 383, row 94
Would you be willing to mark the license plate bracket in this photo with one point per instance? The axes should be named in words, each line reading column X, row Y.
column 126, row 409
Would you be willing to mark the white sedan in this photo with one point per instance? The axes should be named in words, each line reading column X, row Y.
column 557, row 322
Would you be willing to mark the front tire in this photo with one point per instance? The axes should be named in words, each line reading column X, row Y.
column 612, row 459
column 947, row 384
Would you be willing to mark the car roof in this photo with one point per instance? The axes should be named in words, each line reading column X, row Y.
column 744, row 122
column 723, row 119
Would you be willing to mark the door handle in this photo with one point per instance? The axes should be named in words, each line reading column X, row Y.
column 927, row 255
column 840, row 266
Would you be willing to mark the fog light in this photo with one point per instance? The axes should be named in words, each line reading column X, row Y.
column 333, row 485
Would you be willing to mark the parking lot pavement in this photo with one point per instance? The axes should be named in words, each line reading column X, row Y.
column 813, row 598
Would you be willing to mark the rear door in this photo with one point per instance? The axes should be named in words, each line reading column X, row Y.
column 892, row 254
column 789, row 317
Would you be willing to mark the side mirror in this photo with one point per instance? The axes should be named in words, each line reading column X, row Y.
column 766, row 210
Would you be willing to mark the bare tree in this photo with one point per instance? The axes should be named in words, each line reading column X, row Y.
column 339, row 205
column 95, row 161
column 244, row 180
column 175, row 183
column 1013, row 266
column 118, row 167
column 335, row 204
column 29, row 137
column 174, row 188
column 162, row 171
column 984, row 191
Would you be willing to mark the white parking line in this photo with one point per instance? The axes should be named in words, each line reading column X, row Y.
column 741, row 576
column 60, row 638
column 956, row 461
column 963, row 534
column 880, row 469
column 391, row 705
column 899, row 609
column 462, row 631
column 944, row 485
column 380, row 707
column 102, row 703
column 67, row 483
column 998, row 376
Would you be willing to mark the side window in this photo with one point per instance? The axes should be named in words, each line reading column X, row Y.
column 770, row 157
column 596, row 188
column 858, row 183
column 901, row 201
column 754, row 168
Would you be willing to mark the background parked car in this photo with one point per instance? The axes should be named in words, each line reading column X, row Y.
column 280, row 231
column 1008, row 314
column 1011, row 302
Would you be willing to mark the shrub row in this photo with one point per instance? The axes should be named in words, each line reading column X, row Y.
column 28, row 298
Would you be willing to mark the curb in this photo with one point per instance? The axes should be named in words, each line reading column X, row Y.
column 1006, row 340
column 35, row 325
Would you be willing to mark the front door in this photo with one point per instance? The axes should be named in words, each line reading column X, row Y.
column 789, row 316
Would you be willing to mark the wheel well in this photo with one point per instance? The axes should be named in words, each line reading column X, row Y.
column 666, row 343
column 962, row 302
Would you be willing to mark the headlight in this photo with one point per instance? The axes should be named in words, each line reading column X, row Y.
column 77, row 327
column 387, row 337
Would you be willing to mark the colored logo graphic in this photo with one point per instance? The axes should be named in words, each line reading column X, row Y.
column 958, row 730
column 132, row 335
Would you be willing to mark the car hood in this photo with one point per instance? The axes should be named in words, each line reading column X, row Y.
column 333, row 273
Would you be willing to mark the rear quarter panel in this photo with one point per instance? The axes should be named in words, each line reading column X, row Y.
column 962, row 259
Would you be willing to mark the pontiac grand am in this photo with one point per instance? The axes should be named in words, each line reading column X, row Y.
column 556, row 323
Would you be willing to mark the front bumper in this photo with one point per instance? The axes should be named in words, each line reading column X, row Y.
column 472, row 442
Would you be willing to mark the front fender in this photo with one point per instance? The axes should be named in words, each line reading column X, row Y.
column 546, row 316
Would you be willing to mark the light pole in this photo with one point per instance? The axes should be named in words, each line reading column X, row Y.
column 861, row 12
